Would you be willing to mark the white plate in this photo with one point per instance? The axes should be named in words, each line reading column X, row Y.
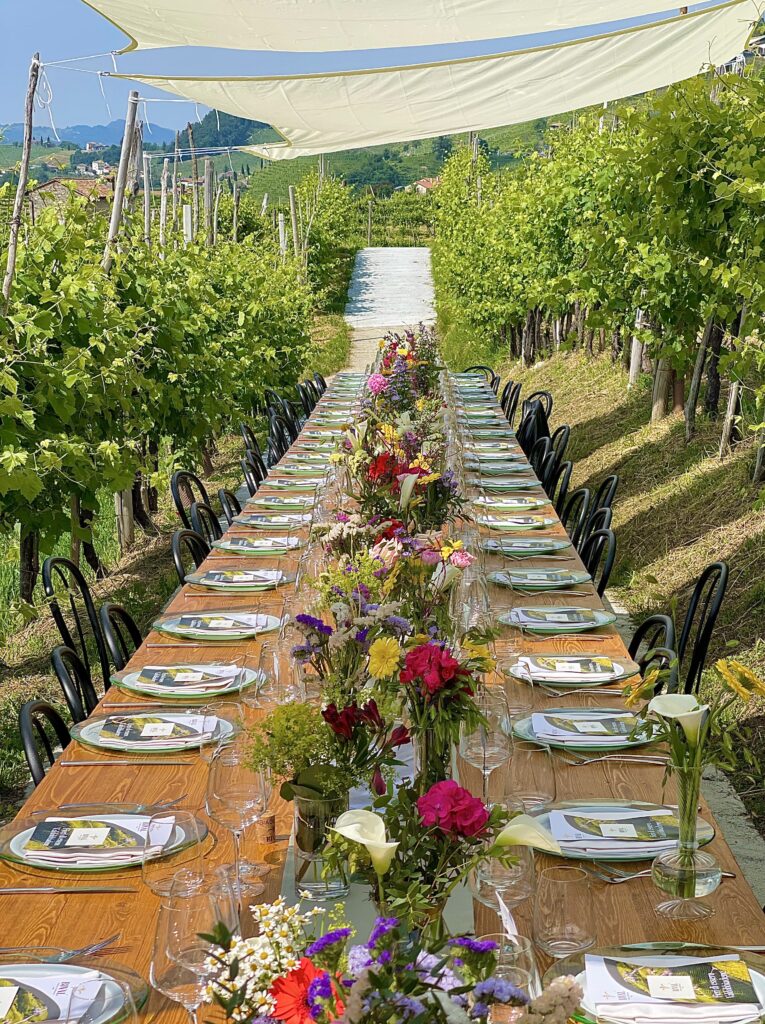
column 246, row 678
column 89, row 733
column 111, row 995
column 246, row 625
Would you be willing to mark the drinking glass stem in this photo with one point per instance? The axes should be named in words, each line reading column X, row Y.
column 237, row 834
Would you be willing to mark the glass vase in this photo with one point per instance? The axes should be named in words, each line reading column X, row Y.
column 432, row 761
column 313, row 817
column 686, row 873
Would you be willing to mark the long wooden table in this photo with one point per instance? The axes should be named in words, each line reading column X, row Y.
column 624, row 913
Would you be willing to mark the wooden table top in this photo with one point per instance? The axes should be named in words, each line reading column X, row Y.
column 625, row 913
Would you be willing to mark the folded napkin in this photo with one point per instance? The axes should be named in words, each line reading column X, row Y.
column 642, row 1013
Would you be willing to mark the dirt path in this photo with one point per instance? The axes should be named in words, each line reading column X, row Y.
column 391, row 289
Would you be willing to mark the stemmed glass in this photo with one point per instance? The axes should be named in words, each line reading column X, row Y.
column 90, row 1000
column 237, row 796
column 180, row 964
column 158, row 870
column 489, row 744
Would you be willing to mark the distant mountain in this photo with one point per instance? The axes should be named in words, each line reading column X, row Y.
column 80, row 134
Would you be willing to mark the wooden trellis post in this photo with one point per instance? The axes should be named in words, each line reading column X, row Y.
column 147, row 200
column 208, row 201
column 121, row 180
column 163, row 202
column 235, row 214
column 195, row 181
column 294, row 221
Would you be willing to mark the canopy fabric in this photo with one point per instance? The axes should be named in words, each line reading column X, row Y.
column 321, row 25
column 326, row 113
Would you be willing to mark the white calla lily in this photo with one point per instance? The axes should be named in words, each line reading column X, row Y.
column 407, row 481
column 368, row 829
column 524, row 830
column 684, row 709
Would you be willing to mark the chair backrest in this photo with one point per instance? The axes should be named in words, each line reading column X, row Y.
column 481, row 368
column 598, row 555
column 205, row 521
column 79, row 693
column 560, row 438
column 560, row 484
column 248, row 436
column 37, row 721
column 252, row 479
column 506, row 389
column 229, row 503
column 539, row 454
column 322, row 384
column 305, row 399
column 600, row 519
column 545, row 398
column 574, row 514
column 191, row 543
column 657, row 635
column 69, row 596
column 605, row 494
column 122, row 635
column 700, row 618
column 279, row 438
column 186, row 488
column 510, row 404
column 255, row 459
column 533, row 425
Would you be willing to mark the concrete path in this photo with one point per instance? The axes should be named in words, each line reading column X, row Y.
column 391, row 289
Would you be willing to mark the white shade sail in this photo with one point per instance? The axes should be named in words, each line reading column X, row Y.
column 352, row 24
column 326, row 113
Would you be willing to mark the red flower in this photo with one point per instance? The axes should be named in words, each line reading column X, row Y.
column 370, row 714
column 380, row 466
column 290, row 994
column 398, row 737
column 434, row 665
column 378, row 782
column 342, row 723
column 390, row 531
column 448, row 806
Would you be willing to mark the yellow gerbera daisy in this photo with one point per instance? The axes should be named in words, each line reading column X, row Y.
column 384, row 657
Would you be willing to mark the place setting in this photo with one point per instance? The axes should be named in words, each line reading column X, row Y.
column 192, row 681
column 240, row 581
column 218, row 625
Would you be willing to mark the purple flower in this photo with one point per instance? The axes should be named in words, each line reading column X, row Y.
column 501, row 991
column 399, row 624
column 382, row 926
column 385, row 957
column 409, row 1006
column 361, row 635
column 358, row 959
column 325, row 941
column 474, row 945
column 320, row 988
column 342, row 517
column 313, row 623
column 479, row 1011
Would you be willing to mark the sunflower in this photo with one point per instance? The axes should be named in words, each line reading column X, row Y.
column 384, row 657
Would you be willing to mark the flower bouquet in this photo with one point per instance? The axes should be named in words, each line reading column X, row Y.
column 292, row 972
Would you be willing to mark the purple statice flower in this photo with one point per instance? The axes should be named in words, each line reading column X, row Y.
column 385, row 957
column 382, row 926
column 399, row 624
column 500, row 991
column 358, row 959
column 304, row 652
column 361, row 636
column 313, row 623
column 446, row 980
column 325, row 941
column 361, row 590
column 474, row 945
column 342, row 517
column 320, row 988
column 480, row 1011
column 409, row 1006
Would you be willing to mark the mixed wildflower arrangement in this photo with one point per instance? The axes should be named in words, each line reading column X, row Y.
column 295, row 972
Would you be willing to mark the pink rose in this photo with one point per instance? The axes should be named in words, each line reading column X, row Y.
column 461, row 559
column 430, row 557
column 377, row 383
column 448, row 806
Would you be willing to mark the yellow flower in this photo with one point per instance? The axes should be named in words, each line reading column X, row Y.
column 429, row 479
column 420, row 404
column 739, row 679
column 335, row 457
column 402, row 351
column 381, row 344
column 384, row 657
column 639, row 688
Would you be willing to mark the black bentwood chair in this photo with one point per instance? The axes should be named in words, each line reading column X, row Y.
column 186, row 488
column 205, row 522
column 42, row 730
column 121, row 633
column 574, row 515
column 653, row 647
column 229, row 503
column 73, row 611
column 600, row 519
column 598, row 554
column 188, row 543
column 700, row 618
column 79, row 693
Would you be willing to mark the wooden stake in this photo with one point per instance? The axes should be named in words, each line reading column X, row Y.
column 636, row 356
column 188, row 224
column 294, row 220
column 235, row 214
column 121, row 180
column 123, row 506
column 695, row 386
column 163, row 202
column 175, row 184
column 369, row 222
column 194, row 178
column 147, row 200
column 282, row 236
column 264, row 205
column 18, row 203
column 216, row 205
column 208, row 201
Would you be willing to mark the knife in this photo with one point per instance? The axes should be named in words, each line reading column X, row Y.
column 54, row 890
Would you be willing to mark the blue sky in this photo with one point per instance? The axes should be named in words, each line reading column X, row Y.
column 61, row 29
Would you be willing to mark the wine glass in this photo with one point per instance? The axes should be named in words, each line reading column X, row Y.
column 517, row 951
column 489, row 744
column 563, row 912
column 170, row 977
column 237, row 796
column 97, row 998
column 279, row 673
column 157, row 869
column 194, row 908
column 532, row 775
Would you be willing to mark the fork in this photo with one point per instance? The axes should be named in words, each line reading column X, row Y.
column 69, row 954
column 576, row 761
column 552, row 692
column 618, row 878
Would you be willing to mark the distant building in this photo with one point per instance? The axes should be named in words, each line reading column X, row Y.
column 425, row 185
column 56, row 192
column 100, row 168
column 95, row 147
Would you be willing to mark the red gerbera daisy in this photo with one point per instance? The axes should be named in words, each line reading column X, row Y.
column 290, row 995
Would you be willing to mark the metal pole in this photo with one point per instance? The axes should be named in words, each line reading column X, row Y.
column 119, row 184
